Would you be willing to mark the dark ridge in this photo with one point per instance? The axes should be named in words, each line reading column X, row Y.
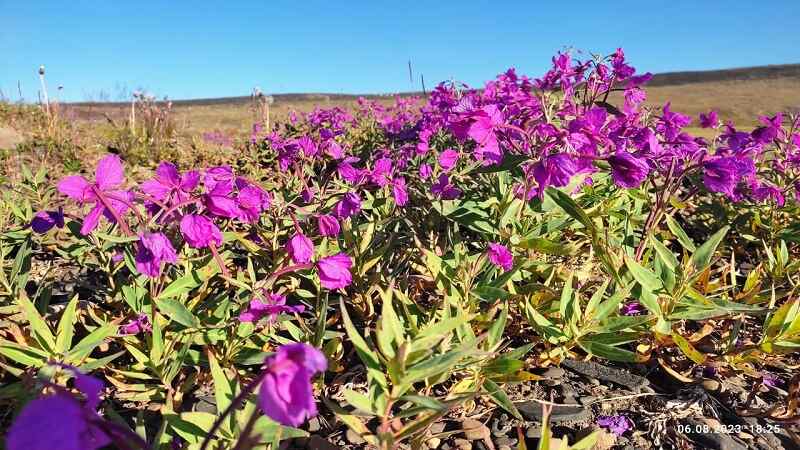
column 736, row 74
column 662, row 79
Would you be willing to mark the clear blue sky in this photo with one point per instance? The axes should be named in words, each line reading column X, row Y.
column 212, row 49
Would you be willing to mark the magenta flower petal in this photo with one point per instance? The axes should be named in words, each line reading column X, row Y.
column 76, row 187
column 399, row 191
column 300, row 248
column 628, row 170
column 92, row 219
column 154, row 249
column 286, row 394
column 109, row 173
column 500, row 256
column 328, row 225
column 334, row 271
column 199, row 231
column 448, row 159
column 615, row 424
column 348, row 206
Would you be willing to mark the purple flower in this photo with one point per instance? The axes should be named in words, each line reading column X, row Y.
column 139, row 324
column 300, row 248
column 199, row 231
column 627, row 170
column 770, row 380
column 500, row 256
column 328, row 225
column 482, row 130
column 219, row 178
column 286, row 395
column 632, row 309
column 425, row 171
column 554, row 170
column 251, row 202
column 615, row 424
column 448, row 159
column 382, row 172
column 108, row 176
column 307, row 195
column 442, row 188
column 348, row 206
column 271, row 306
column 334, row 271
column 169, row 186
column 44, row 221
column 399, row 191
column 69, row 425
column 709, row 120
column 154, row 248
column 721, row 175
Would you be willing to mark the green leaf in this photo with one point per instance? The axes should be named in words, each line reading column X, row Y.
column 86, row 345
column 365, row 353
column 177, row 311
column 666, row 256
column 545, row 246
column 26, row 355
column 497, row 327
column 681, row 235
column 570, row 207
column 490, row 294
column 650, row 284
column 500, row 397
column 41, row 332
column 181, row 286
column 223, row 389
column 359, row 401
column 701, row 258
column 66, row 327
column 688, row 349
column 606, row 351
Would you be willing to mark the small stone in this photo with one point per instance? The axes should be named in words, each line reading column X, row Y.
column 594, row 381
column 506, row 441
column 314, row 425
column 433, row 443
column 553, row 372
column 474, row 430
column 711, row 385
column 353, row 437
column 463, row 444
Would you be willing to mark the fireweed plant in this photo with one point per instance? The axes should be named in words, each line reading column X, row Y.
column 449, row 244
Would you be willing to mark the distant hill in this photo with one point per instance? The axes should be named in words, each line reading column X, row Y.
column 736, row 74
column 783, row 71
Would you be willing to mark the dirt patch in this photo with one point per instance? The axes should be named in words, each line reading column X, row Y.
column 9, row 138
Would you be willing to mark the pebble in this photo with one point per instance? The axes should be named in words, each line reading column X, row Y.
column 354, row 437
column 434, row 442
column 533, row 432
column 711, row 385
column 463, row 444
column 554, row 372
column 437, row 428
column 314, row 425
column 474, row 430
column 506, row 441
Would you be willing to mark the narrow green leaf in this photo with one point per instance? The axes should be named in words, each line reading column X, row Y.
column 66, row 327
